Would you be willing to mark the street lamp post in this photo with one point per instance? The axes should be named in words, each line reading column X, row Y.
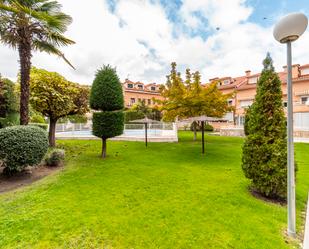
column 287, row 30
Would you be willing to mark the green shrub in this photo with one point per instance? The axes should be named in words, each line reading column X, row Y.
column 11, row 119
column 246, row 124
column 107, row 124
column 264, row 159
column 8, row 104
column 207, row 127
column 40, row 125
column 106, row 91
column 37, row 118
column 22, row 146
column 132, row 115
column 55, row 157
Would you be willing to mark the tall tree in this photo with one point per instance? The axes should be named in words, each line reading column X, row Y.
column 189, row 98
column 173, row 92
column 264, row 159
column 107, row 98
column 29, row 25
column 55, row 97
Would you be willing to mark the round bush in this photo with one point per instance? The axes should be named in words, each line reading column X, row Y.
column 22, row 146
column 108, row 124
column 55, row 157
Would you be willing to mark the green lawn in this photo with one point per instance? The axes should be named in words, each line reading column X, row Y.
column 165, row 196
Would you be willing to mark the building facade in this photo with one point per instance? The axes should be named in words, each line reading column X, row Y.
column 135, row 92
column 244, row 89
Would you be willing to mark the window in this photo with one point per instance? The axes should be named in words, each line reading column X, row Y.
column 285, row 104
column 226, row 82
column 130, row 85
column 149, row 101
column 132, row 100
column 253, row 80
column 240, row 120
column 230, row 102
column 304, row 100
column 153, row 88
column 140, row 87
column 139, row 100
column 305, row 71
column 246, row 103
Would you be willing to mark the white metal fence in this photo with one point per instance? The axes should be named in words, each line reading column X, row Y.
column 130, row 130
column 73, row 127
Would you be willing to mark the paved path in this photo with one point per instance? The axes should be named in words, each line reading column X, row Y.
column 301, row 139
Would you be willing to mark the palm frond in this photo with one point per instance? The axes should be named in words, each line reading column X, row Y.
column 50, row 49
column 50, row 7
column 42, row 21
column 8, row 8
column 59, row 39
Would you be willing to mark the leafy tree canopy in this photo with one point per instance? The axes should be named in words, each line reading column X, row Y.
column 189, row 98
column 55, row 97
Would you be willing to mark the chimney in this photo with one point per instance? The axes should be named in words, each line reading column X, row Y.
column 248, row 73
column 295, row 70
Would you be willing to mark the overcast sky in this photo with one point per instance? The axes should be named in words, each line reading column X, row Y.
column 142, row 37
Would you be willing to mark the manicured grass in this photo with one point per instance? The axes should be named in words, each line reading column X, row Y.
column 165, row 196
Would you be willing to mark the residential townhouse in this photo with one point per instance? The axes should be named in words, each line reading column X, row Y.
column 244, row 89
column 138, row 91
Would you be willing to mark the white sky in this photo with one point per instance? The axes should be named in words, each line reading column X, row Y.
column 137, row 38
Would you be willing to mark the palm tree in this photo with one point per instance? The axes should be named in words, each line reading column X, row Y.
column 31, row 25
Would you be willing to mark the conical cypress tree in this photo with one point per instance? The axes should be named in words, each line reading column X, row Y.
column 107, row 97
column 264, row 159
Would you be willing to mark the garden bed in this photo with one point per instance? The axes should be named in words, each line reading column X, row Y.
column 25, row 177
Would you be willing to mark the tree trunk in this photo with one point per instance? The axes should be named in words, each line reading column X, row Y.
column 24, row 50
column 194, row 130
column 52, row 132
column 103, row 147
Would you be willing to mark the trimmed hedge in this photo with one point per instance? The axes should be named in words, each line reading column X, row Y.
column 108, row 124
column 40, row 125
column 132, row 115
column 22, row 146
column 106, row 91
